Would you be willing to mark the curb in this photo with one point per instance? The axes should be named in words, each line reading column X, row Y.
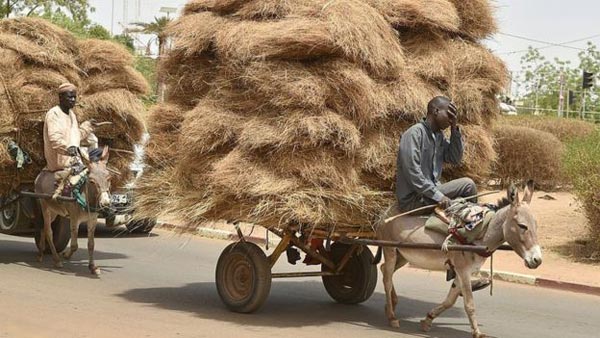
column 213, row 233
column 504, row 276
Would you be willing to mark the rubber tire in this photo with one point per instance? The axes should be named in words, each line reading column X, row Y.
column 61, row 234
column 9, row 226
column 359, row 277
column 144, row 226
column 259, row 268
column 109, row 222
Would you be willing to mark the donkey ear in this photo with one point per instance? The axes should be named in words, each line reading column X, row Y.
column 528, row 194
column 513, row 195
column 105, row 154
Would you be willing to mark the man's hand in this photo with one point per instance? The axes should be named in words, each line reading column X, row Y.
column 72, row 151
column 88, row 125
column 444, row 203
column 452, row 114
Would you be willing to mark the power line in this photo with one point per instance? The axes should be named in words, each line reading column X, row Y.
column 554, row 45
column 540, row 41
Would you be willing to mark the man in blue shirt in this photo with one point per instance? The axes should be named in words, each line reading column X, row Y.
column 423, row 151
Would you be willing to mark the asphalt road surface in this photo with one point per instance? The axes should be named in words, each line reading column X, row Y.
column 162, row 285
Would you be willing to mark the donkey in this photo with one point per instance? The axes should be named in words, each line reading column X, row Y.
column 513, row 222
column 97, row 193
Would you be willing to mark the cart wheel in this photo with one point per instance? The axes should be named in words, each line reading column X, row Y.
column 243, row 277
column 61, row 234
column 143, row 226
column 358, row 279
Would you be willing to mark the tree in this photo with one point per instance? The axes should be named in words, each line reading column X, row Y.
column 158, row 28
column 77, row 9
column 540, row 80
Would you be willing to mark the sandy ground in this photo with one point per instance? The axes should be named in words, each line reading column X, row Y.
column 561, row 224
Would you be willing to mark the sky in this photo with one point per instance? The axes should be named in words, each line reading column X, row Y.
column 555, row 21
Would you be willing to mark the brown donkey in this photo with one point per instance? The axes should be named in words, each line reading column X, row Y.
column 97, row 194
column 513, row 222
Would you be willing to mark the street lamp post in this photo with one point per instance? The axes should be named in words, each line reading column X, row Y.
column 168, row 10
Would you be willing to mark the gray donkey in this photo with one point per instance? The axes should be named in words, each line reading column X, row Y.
column 97, row 194
column 513, row 222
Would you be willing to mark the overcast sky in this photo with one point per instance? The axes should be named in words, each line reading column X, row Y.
column 555, row 21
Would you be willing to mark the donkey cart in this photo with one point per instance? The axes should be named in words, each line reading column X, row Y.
column 348, row 268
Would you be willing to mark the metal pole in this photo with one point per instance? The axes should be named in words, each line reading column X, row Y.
column 561, row 96
column 112, row 18
column 582, row 114
column 568, row 105
column 537, row 87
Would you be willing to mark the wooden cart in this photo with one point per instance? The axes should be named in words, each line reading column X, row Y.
column 244, row 271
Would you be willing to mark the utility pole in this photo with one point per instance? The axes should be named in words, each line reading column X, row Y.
column 125, row 13
column 7, row 8
column 561, row 96
column 112, row 18
column 537, row 89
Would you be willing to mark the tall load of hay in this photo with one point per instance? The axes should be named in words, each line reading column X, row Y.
column 35, row 58
column 290, row 112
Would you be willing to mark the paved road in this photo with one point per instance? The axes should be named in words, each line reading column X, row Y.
column 163, row 286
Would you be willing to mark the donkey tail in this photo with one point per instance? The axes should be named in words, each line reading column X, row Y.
column 377, row 258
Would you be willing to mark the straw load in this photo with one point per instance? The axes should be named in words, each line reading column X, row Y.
column 287, row 113
column 525, row 153
column 35, row 58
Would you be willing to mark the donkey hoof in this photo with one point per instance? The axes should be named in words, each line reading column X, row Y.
column 66, row 256
column 425, row 325
column 94, row 270
column 40, row 257
column 395, row 323
column 479, row 335
column 58, row 265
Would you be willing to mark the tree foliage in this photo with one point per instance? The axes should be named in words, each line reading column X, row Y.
column 539, row 80
column 76, row 9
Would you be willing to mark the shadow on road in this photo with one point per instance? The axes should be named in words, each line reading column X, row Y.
column 25, row 254
column 299, row 304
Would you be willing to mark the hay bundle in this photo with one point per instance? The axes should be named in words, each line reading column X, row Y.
column 564, row 129
column 525, row 153
column 476, row 17
column 36, row 57
column 295, row 109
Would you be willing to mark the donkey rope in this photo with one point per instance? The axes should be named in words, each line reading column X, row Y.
column 513, row 222
column 97, row 195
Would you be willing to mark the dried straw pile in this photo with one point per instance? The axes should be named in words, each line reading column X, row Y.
column 563, row 128
column 526, row 153
column 35, row 58
column 289, row 112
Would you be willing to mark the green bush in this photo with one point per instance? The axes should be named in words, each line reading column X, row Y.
column 582, row 165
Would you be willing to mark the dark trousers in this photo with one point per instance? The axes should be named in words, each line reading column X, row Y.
column 462, row 187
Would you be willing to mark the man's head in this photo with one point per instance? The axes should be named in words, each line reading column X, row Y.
column 67, row 96
column 441, row 113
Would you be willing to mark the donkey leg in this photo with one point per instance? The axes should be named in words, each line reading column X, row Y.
column 48, row 218
column 42, row 244
column 438, row 310
column 91, row 229
column 74, row 225
column 400, row 262
column 387, row 269
column 463, row 275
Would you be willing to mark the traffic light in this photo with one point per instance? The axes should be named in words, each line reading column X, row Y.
column 588, row 80
column 571, row 98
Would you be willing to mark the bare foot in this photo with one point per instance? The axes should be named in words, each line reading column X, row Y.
column 426, row 325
